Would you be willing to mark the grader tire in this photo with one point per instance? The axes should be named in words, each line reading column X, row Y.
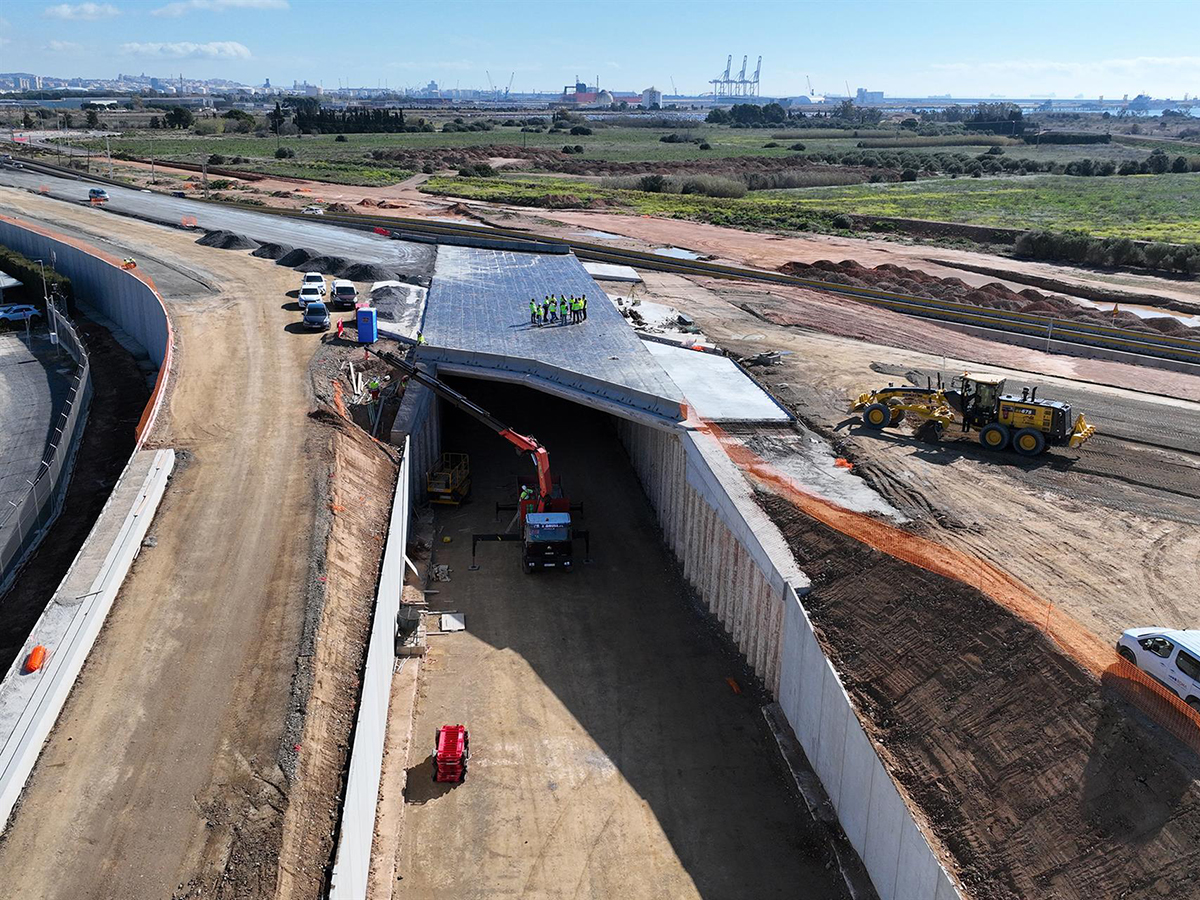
column 994, row 436
column 1029, row 442
column 877, row 416
column 897, row 417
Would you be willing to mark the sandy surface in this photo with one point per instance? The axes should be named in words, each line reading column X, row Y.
column 180, row 711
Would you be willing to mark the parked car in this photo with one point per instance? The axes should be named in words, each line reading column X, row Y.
column 313, row 210
column 309, row 295
column 1170, row 657
column 313, row 279
column 18, row 312
column 97, row 195
column 7, row 160
column 344, row 294
column 316, row 316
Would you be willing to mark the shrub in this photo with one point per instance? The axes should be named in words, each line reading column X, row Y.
column 285, row 153
column 769, row 145
column 216, row 159
column 796, row 146
column 908, row 175
column 427, row 169
column 673, row 138
column 1180, row 164
column 581, row 129
column 652, row 184
column 579, row 148
column 713, row 186
column 705, row 145
column 221, row 184
column 842, row 221
column 1129, row 167
column 478, row 170
column 340, row 139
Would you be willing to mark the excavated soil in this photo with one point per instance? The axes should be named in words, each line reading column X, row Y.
column 915, row 283
column 367, row 272
column 327, row 265
column 293, row 258
column 1037, row 779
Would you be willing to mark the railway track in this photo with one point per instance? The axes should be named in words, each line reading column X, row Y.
column 1030, row 325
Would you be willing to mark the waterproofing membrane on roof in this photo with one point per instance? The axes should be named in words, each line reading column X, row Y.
column 715, row 387
column 477, row 316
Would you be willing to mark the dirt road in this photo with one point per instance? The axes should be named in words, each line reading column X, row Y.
column 610, row 757
column 161, row 778
column 1104, row 548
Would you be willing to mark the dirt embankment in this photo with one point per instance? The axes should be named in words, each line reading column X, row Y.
column 1039, row 782
column 915, row 283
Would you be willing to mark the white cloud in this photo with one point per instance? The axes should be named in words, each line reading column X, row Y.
column 182, row 7
column 189, row 50
column 82, row 11
column 62, row 46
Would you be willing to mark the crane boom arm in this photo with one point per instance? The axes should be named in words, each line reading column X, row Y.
column 541, row 459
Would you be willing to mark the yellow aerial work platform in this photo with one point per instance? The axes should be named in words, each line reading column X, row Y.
column 449, row 482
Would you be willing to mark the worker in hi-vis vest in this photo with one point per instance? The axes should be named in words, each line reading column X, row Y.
column 562, row 309
column 533, row 311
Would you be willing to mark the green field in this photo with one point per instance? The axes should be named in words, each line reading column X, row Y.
column 1150, row 207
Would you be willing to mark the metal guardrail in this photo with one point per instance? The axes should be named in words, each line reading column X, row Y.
column 26, row 521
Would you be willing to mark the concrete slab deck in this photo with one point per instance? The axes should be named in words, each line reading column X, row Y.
column 715, row 388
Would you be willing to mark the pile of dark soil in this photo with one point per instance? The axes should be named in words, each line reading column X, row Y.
column 227, row 240
column 293, row 258
column 327, row 265
column 272, row 251
column 1038, row 779
column 915, row 283
column 369, row 272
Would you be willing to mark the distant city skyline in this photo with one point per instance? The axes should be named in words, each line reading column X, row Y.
column 1017, row 48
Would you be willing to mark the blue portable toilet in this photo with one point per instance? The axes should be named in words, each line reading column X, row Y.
column 368, row 325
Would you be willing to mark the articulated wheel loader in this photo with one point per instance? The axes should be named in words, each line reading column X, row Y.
column 977, row 403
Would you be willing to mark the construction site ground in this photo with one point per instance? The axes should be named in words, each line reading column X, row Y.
column 170, row 769
column 1039, row 780
column 611, row 757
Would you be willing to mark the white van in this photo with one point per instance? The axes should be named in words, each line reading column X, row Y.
column 313, row 280
column 1172, row 658
column 344, row 294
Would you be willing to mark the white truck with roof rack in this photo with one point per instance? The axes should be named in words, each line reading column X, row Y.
column 1169, row 656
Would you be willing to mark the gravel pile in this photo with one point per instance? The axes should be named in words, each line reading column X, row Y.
column 227, row 240
column 328, row 265
column 368, row 272
column 272, row 251
column 293, row 258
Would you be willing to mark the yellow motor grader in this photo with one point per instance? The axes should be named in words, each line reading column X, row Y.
column 1026, row 423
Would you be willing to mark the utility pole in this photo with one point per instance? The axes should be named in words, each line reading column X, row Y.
column 108, row 146
column 204, row 173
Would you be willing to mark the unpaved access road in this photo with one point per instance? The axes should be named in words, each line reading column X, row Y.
column 161, row 777
column 1114, row 545
column 609, row 755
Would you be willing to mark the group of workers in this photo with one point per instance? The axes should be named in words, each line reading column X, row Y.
column 556, row 310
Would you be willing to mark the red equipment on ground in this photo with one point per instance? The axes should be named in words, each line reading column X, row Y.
column 451, row 750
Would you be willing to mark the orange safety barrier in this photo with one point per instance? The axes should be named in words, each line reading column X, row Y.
column 1087, row 649
column 36, row 659
column 188, row 222
column 43, row 188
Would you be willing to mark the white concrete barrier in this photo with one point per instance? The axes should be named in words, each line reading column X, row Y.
column 743, row 570
column 31, row 702
column 352, row 865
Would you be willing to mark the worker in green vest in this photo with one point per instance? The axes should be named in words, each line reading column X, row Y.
column 583, row 306
column 533, row 311
column 577, row 305
column 562, row 309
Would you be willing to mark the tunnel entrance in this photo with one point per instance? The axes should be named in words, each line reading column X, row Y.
column 610, row 756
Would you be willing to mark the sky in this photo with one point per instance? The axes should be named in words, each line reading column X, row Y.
column 1014, row 48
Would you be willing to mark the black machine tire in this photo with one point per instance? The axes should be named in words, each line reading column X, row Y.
column 897, row 416
column 1126, row 654
column 994, row 436
column 1029, row 442
column 877, row 416
column 1194, row 703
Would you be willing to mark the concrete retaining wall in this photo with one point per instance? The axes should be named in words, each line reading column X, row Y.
column 31, row 702
column 352, row 865
column 743, row 570
column 128, row 297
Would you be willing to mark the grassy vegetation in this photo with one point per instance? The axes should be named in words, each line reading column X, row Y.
column 1160, row 207
column 1157, row 207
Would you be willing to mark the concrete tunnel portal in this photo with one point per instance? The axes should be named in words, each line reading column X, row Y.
column 600, row 695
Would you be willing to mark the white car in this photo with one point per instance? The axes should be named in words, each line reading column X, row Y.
column 309, row 294
column 313, row 210
column 313, row 279
column 18, row 312
column 1170, row 657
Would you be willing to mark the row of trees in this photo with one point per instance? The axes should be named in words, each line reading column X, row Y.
column 752, row 115
column 1080, row 247
column 310, row 116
